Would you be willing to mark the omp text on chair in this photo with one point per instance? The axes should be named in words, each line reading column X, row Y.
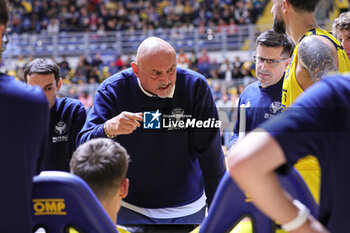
column 61, row 200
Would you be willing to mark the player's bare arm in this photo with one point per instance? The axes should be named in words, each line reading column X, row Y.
column 252, row 163
column 316, row 56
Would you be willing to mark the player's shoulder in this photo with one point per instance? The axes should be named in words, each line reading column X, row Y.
column 67, row 101
column 69, row 104
column 252, row 88
column 313, row 41
column 190, row 77
column 123, row 75
column 18, row 90
column 254, row 85
column 189, row 73
column 318, row 43
column 318, row 32
column 120, row 79
column 317, row 54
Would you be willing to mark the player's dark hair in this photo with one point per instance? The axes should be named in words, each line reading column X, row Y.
column 102, row 163
column 304, row 5
column 270, row 38
column 42, row 66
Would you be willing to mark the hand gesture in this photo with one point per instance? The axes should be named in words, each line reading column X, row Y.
column 124, row 123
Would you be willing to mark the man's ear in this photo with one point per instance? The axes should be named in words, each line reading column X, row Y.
column 286, row 63
column 124, row 188
column 59, row 84
column 135, row 68
column 285, row 6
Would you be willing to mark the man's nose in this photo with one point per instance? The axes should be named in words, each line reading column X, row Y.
column 264, row 65
column 163, row 78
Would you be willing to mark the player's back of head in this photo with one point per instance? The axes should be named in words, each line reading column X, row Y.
column 102, row 163
column 303, row 5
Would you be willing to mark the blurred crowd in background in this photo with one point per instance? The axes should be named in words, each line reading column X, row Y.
column 53, row 16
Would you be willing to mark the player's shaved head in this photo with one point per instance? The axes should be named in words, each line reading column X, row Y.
column 153, row 46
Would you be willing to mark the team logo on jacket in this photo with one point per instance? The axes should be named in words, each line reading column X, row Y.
column 60, row 130
column 275, row 108
column 60, row 127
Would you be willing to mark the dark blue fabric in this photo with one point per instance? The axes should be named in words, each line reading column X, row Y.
column 67, row 117
column 23, row 135
column 319, row 124
column 167, row 167
column 265, row 103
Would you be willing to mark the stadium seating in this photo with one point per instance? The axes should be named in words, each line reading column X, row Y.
column 230, row 205
column 61, row 200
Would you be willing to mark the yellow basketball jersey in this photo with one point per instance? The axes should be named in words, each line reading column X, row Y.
column 308, row 167
column 291, row 89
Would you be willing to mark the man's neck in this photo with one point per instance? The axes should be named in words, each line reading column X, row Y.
column 301, row 24
column 110, row 207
